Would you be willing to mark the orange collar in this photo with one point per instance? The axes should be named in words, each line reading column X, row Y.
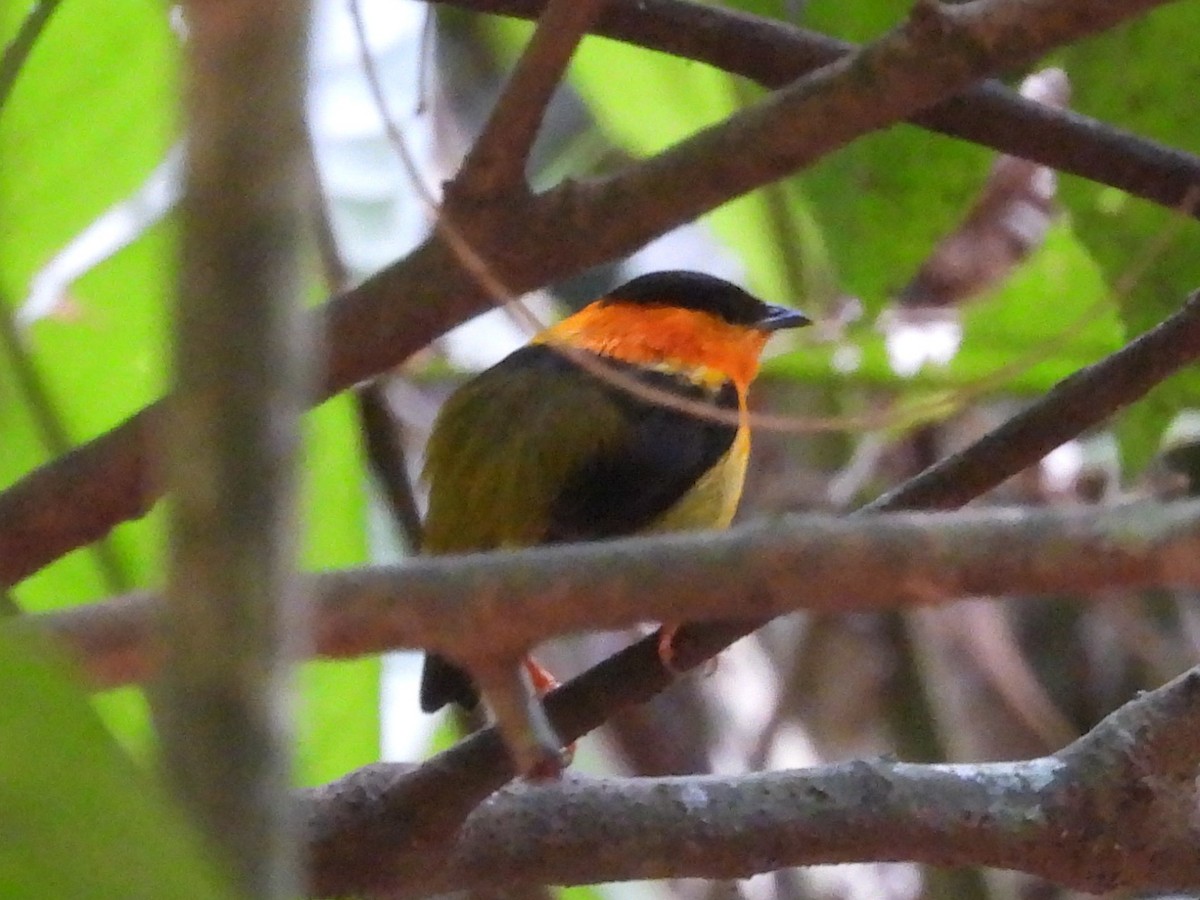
column 700, row 345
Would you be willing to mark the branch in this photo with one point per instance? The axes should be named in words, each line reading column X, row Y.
column 81, row 496
column 232, row 618
column 774, row 53
column 491, row 608
column 464, row 775
column 1116, row 809
column 497, row 161
column 17, row 50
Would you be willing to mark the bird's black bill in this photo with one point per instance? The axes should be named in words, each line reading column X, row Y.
column 778, row 318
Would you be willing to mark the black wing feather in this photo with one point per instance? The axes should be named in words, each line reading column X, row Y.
column 664, row 452
column 656, row 458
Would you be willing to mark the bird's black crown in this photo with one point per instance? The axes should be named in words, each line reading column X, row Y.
column 693, row 290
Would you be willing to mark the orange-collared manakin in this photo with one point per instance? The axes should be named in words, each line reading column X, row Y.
column 540, row 450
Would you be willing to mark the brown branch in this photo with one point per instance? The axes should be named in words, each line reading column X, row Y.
column 1116, row 809
column 79, row 497
column 429, row 803
column 491, row 608
column 774, row 53
column 232, row 619
column 34, row 393
column 498, row 159
column 383, row 443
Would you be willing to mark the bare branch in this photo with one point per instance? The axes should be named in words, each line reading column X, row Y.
column 78, row 498
column 497, row 161
column 383, row 444
column 1116, row 809
column 477, row 766
column 232, row 620
column 487, row 610
column 17, row 50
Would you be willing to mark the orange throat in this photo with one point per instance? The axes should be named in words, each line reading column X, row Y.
column 701, row 346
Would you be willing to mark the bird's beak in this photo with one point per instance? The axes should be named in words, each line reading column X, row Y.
column 778, row 318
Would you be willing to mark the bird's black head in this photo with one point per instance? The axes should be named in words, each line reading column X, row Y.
column 707, row 294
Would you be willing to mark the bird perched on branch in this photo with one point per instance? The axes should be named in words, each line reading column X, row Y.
column 544, row 447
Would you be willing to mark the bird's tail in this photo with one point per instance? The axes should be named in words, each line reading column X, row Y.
column 443, row 682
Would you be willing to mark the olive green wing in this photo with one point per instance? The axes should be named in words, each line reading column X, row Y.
column 537, row 450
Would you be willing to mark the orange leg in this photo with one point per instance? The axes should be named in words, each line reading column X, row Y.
column 666, row 651
column 666, row 648
column 543, row 683
column 543, row 680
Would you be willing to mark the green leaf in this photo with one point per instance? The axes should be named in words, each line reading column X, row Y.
column 79, row 819
column 91, row 114
column 1120, row 76
column 1050, row 319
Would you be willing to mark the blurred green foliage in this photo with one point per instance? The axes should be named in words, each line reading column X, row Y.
column 80, row 819
column 92, row 113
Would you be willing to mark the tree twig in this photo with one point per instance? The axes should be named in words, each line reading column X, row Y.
column 774, row 53
column 17, row 51
column 35, row 393
column 494, row 607
column 636, row 674
column 498, row 159
column 384, row 447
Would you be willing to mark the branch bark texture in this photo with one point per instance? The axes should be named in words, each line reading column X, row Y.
column 1115, row 809
column 491, row 608
column 774, row 53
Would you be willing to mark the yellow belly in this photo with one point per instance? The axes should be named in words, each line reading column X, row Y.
column 713, row 500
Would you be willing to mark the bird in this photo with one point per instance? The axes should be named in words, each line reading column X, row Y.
column 543, row 449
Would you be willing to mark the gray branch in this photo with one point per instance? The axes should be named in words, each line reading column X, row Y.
column 231, row 616
column 1115, row 809
column 490, row 608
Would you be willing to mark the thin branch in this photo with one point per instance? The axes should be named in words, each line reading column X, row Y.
column 774, row 53
column 498, row 160
column 1069, row 409
column 233, row 621
column 1113, row 810
column 78, row 498
column 489, row 609
column 383, row 444
column 35, row 394
column 383, row 441
column 17, row 51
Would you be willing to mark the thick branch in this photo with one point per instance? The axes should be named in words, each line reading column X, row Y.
column 232, row 617
column 490, row 608
column 1116, row 809
column 79, row 497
